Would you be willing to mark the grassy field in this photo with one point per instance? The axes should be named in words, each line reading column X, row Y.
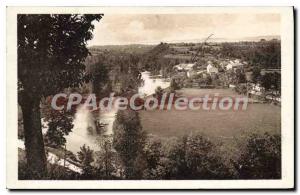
column 227, row 126
column 257, row 117
column 192, row 92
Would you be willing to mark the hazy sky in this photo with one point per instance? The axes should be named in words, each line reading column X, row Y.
column 155, row 28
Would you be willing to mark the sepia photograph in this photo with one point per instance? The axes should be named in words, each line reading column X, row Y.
column 150, row 98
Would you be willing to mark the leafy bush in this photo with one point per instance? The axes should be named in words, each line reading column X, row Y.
column 195, row 157
column 190, row 157
column 261, row 158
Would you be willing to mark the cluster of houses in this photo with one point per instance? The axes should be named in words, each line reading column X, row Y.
column 221, row 71
column 192, row 69
column 208, row 75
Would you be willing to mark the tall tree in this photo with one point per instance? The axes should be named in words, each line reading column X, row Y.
column 105, row 162
column 86, row 157
column 51, row 53
column 129, row 139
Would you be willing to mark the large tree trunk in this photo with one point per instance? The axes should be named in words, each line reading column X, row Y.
column 34, row 144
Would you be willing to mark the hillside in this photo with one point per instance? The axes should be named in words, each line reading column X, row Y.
column 133, row 48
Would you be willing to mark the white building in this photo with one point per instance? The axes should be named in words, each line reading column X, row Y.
column 234, row 64
column 184, row 67
column 211, row 69
column 256, row 89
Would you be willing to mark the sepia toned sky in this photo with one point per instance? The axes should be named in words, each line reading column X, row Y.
column 154, row 28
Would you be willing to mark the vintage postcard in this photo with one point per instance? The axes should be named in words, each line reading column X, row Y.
column 150, row 98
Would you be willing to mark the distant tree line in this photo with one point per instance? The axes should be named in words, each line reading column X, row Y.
column 266, row 54
column 114, row 68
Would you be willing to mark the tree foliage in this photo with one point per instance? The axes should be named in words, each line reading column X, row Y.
column 189, row 157
column 114, row 69
column 52, row 50
column 266, row 54
column 86, row 157
column 271, row 81
column 128, row 139
column 261, row 159
column 105, row 160
column 51, row 54
column 59, row 122
column 195, row 157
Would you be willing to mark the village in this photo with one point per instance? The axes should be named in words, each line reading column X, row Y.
column 215, row 65
column 224, row 75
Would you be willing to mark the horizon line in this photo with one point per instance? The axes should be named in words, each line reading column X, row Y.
column 200, row 40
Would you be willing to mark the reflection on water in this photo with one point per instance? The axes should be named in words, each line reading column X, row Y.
column 84, row 131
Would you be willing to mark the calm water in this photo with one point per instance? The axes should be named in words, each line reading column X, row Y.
column 84, row 125
column 151, row 83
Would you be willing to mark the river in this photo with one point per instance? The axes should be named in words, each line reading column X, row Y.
column 84, row 131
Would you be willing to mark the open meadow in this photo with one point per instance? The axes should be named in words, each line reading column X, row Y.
column 227, row 127
column 256, row 118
